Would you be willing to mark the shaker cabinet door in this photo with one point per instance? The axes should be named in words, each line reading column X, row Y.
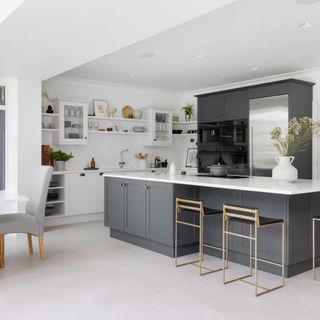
column 236, row 106
column 114, row 203
column 160, row 213
column 80, row 191
column 210, row 108
column 135, row 211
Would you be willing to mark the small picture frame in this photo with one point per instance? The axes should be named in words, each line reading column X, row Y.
column 100, row 108
column 192, row 158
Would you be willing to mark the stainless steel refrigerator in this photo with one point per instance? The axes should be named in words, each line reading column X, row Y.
column 265, row 114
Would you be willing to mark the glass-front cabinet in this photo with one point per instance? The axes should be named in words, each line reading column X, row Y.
column 160, row 131
column 73, row 123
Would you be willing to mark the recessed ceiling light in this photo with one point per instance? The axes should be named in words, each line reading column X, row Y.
column 305, row 25
column 146, row 55
column 132, row 75
column 307, row 1
column 254, row 68
column 198, row 56
column 184, row 83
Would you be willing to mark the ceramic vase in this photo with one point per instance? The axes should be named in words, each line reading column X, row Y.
column 285, row 170
column 60, row 165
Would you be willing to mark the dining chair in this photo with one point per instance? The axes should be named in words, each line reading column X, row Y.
column 31, row 222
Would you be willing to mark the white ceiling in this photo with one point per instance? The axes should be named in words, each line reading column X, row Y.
column 232, row 40
column 43, row 38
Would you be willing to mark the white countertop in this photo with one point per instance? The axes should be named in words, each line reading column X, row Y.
column 255, row 184
column 108, row 170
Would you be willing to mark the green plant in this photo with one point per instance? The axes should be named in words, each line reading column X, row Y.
column 188, row 109
column 61, row 156
column 299, row 134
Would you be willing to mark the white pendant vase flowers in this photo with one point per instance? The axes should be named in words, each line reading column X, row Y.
column 300, row 132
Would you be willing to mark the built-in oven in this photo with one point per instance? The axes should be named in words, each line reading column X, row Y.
column 224, row 142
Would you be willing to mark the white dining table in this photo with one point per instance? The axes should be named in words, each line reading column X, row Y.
column 8, row 200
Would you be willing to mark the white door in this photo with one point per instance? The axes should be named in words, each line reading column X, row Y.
column 80, row 193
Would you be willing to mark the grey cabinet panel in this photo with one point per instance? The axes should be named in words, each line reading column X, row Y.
column 210, row 108
column 160, row 213
column 270, row 206
column 135, row 211
column 186, row 234
column 114, row 215
column 236, row 105
column 268, row 90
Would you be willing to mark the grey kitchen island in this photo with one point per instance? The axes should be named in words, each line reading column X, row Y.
column 140, row 209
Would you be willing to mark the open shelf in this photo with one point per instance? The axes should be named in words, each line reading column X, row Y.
column 185, row 134
column 49, row 130
column 55, row 201
column 118, row 132
column 50, row 114
column 55, row 188
column 185, row 122
column 116, row 119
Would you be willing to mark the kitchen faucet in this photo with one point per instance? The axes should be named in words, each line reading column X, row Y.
column 122, row 162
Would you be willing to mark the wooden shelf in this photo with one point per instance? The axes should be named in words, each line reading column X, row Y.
column 116, row 119
column 118, row 132
column 50, row 114
column 55, row 188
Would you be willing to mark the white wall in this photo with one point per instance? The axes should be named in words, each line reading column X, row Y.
column 307, row 75
column 105, row 149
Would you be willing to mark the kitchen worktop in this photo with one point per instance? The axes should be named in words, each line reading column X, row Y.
column 255, row 184
column 109, row 170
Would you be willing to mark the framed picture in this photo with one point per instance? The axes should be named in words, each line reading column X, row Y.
column 192, row 158
column 100, row 108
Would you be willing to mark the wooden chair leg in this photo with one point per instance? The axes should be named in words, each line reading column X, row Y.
column 30, row 243
column 1, row 250
column 41, row 248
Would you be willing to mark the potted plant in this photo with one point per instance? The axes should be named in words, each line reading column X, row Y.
column 299, row 134
column 60, row 159
column 188, row 111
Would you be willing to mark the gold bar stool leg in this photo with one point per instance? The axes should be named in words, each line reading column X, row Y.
column 176, row 236
column 201, row 239
column 256, row 259
column 1, row 250
column 283, row 249
column 250, row 246
column 223, row 251
column 313, row 249
column 30, row 243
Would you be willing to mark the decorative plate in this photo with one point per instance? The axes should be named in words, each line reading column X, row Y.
column 127, row 112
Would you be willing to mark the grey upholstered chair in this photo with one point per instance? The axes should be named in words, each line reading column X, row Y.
column 31, row 222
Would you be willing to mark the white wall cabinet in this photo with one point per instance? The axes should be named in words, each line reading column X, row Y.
column 84, row 193
column 160, row 128
column 73, row 123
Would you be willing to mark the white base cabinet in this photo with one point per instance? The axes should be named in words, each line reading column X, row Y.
column 83, row 193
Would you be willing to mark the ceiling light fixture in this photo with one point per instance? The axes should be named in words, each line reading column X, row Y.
column 197, row 56
column 147, row 55
column 305, row 25
column 184, row 83
column 254, row 68
column 307, row 1
column 132, row 75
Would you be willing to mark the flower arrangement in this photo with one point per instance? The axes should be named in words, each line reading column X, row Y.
column 300, row 132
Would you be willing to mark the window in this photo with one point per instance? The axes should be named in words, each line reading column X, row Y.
column 2, row 136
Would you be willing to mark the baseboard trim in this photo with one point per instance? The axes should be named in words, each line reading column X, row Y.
column 72, row 219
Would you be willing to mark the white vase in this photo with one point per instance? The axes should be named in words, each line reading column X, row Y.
column 173, row 169
column 141, row 163
column 284, row 170
column 60, row 165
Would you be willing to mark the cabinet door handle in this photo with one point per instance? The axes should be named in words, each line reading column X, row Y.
column 147, row 187
column 101, row 174
column 82, row 174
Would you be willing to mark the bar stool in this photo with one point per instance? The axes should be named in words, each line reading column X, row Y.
column 314, row 258
column 251, row 217
column 194, row 207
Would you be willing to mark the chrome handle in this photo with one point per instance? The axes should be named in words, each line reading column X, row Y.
column 82, row 174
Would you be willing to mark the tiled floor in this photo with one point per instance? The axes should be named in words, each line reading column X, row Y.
column 88, row 275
